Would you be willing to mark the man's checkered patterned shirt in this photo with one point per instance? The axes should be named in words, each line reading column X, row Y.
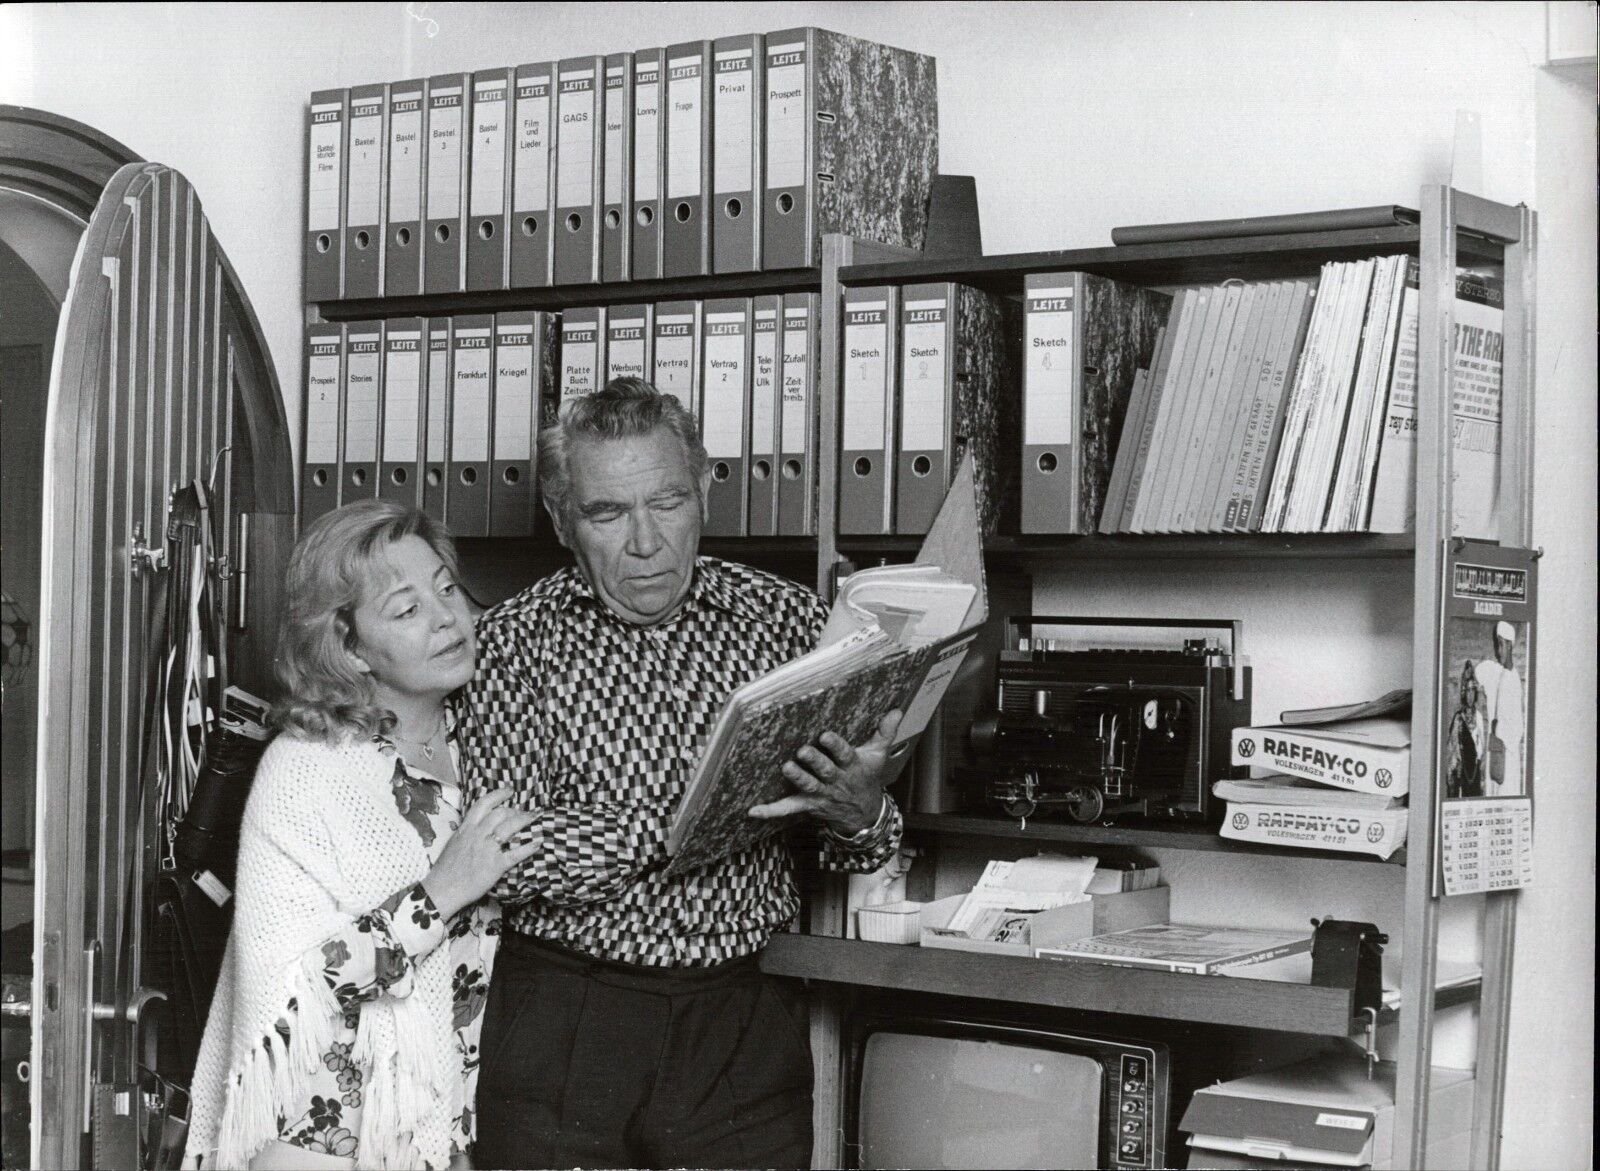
column 596, row 723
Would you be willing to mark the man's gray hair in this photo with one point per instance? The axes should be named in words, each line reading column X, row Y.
column 624, row 407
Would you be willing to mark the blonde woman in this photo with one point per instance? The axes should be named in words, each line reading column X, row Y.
column 344, row 1031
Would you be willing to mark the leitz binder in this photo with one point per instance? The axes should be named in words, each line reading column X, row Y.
column 402, row 246
column 582, row 351
column 491, row 164
column 532, row 160
column 1084, row 338
column 630, row 342
column 678, row 352
column 616, row 228
column 363, row 232
column 797, row 428
column 324, row 414
column 724, row 428
column 467, row 503
column 400, row 451
column 852, row 144
column 363, row 390
column 738, row 98
column 867, row 412
column 436, row 419
column 649, row 137
column 685, row 235
column 446, row 178
column 956, row 398
column 515, row 426
column 580, row 155
column 766, row 413
column 324, row 252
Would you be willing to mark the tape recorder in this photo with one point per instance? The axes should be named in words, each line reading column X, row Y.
column 1108, row 732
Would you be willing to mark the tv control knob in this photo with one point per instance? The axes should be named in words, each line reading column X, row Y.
column 1132, row 1106
column 1132, row 1087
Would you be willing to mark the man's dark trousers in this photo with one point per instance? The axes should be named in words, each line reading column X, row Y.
column 588, row 1063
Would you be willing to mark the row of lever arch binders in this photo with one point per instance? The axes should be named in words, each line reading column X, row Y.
column 723, row 156
column 444, row 413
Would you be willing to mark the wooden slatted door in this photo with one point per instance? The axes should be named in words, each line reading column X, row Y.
column 155, row 350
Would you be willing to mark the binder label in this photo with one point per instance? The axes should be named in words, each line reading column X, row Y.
column 732, row 121
column 575, row 140
column 683, row 128
column 923, row 357
column 795, row 434
column 322, row 402
column 1048, row 406
column 646, row 132
column 675, row 358
column 322, row 188
column 513, row 399
column 405, row 159
column 444, row 151
column 469, row 423
column 786, row 115
column 763, row 383
column 361, row 400
column 530, row 185
column 615, row 116
column 438, row 369
column 723, row 426
column 366, row 162
column 866, row 368
column 625, row 344
column 402, row 386
column 580, row 359
column 488, row 148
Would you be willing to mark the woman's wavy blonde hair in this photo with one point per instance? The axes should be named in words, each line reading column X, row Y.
column 324, row 695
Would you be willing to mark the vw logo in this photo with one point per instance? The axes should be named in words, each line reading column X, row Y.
column 1375, row 832
column 1384, row 778
column 1240, row 821
column 1247, row 747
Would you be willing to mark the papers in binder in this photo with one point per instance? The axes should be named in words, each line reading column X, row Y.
column 863, row 668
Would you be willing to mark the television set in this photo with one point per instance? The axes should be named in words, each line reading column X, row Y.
column 944, row 1083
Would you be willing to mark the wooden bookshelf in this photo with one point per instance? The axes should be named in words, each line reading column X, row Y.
column 1173, row 836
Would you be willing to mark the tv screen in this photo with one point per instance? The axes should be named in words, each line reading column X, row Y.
column 931, row 1101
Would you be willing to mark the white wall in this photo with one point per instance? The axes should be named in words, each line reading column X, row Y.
column 1074, row 118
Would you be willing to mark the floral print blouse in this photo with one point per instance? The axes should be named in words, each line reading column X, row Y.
column 376, row 956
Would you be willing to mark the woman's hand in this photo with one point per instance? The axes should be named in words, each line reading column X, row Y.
column 479, row 853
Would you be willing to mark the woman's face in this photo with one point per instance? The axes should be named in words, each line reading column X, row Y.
column 412, row 626
column 1469, row 694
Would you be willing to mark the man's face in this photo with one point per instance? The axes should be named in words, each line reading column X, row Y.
column 633, row 522
column 1502, row 650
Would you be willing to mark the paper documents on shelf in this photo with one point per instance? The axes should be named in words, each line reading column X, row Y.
column 1390, row 703
column 1173, row 947
column 894, row 639
column 1022, row 887
column 1293, row 791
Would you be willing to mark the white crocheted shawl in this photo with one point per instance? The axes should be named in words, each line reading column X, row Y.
column 322, row 843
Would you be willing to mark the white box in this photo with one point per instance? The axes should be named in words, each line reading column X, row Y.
column 1363, row 756
column 890, row 922
column 1094, row 916
column 1379, row 832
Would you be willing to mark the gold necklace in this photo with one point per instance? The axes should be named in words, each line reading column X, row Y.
column 427, row 745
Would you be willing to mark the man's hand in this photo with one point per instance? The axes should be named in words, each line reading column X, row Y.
column 839, row 785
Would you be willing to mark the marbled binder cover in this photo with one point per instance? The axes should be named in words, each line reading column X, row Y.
column 771, row 734
column 876, row 161
column 987, row 397
column 549, row 360
column 1119, row 327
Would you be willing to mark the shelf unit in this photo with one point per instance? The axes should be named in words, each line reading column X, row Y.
column 1455, row 229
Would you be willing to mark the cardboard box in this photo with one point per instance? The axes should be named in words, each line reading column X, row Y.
column 1094, row 916
column 1379, row 832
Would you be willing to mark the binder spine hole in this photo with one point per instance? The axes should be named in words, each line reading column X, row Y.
column 512, row 474
column 398, row 475
column 720, row 471
column 863, row 466
column 402, row 236
column 761, row 470
column 320, row 477
column 442, row 233
column 733, row 209
column 791, row 469
column 358, row 477
column 434, row 477
column 486, row 230
column 530, row 225
column 613, row 219
column 1047, row 462
column 682, row 213
column 645, row 215
column 785, row 203
column 574, row 221
column 363, row 240
column 324, row 242
column 825, row 116
column 921, row 465
column 469, row 475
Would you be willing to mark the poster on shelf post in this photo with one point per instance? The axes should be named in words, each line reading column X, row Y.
column 1484, row 794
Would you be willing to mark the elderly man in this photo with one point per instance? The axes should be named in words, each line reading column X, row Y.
column 628, row 1023
column 1502, row 696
